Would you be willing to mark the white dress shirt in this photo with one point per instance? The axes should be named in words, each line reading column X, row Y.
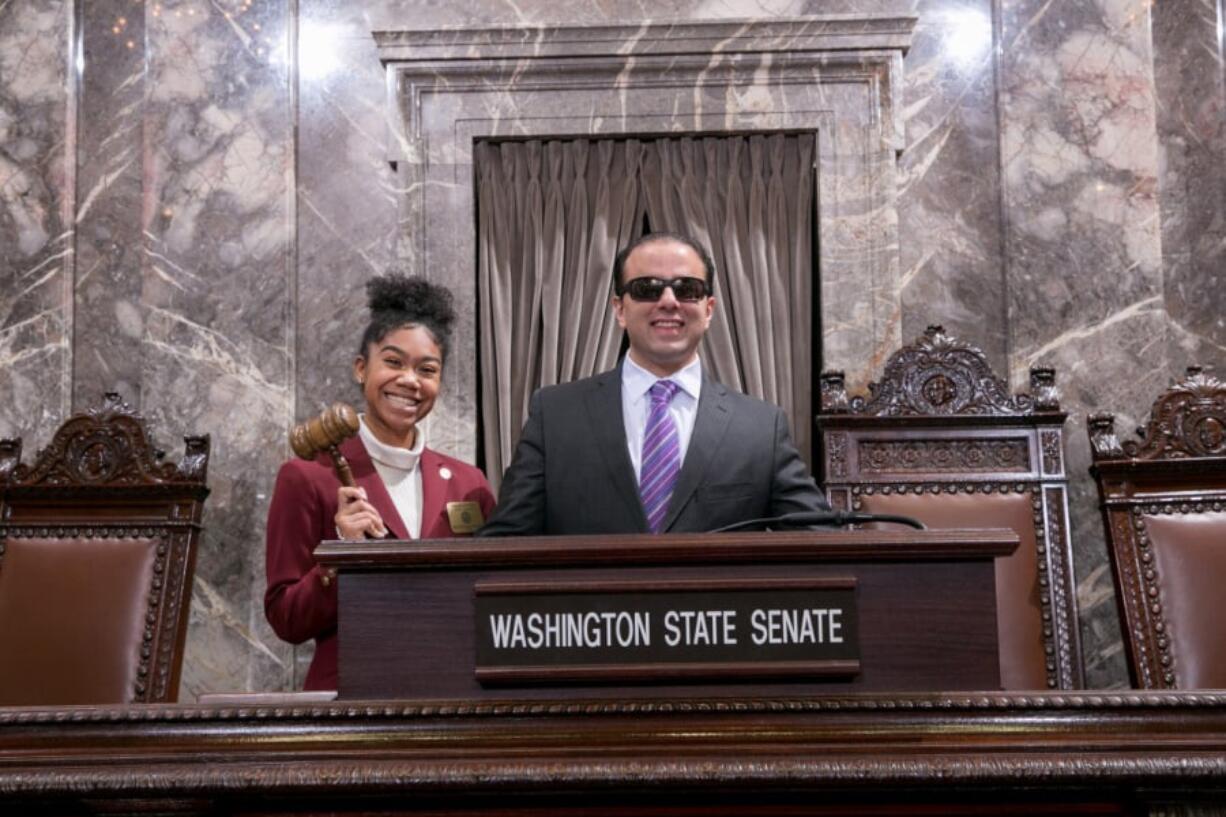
column 400, row 470
column 636, row 405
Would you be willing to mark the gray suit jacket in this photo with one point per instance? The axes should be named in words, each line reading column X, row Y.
column 572, row 473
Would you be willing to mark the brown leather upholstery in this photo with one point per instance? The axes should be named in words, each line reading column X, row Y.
column 1190, row 550
column 97, row 544
column 1164, row 503
column 84, row 649
column 942, row 440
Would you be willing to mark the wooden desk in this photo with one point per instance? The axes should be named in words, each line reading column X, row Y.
column 1051, row 753
column 925, row 600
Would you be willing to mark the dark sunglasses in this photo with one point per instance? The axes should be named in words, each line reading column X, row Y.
column 652, row 289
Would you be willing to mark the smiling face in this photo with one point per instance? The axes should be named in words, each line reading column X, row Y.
column 664, row 334
column 400, row 376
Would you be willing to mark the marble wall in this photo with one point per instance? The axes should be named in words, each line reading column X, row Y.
column 192, row 192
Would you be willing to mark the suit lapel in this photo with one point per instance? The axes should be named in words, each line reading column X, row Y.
column 365, row 475
column 604, row 407
column 710, row 423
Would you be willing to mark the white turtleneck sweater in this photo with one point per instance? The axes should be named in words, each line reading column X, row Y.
column 400, row 470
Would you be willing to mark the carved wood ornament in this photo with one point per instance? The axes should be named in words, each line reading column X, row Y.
column 103, row 447
column 1187, row 420
column 938, row 375
column 940, row 422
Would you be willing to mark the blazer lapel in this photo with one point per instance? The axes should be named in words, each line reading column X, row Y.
column 433, row 494
column 365, row 475
column 709, row 426
column 604, row 407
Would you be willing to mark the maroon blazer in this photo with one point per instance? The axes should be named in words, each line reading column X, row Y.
column 297, row 603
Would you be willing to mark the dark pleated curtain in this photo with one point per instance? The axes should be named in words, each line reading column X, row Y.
column 749, row 199
column 551, row 217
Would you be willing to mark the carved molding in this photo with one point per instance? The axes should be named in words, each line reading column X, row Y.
column 666, row 53
column 1187, row 420
column 1128, row 564
column 124, row 760
column 106, row 446
column 938, row 375
column 1056, row 588
column 538, row 40
column 948, row 772
column 1050, row 444
column 1056, row 701
column 1162, row 661
column 902, row 456
column 836, row 454
column 940, row 487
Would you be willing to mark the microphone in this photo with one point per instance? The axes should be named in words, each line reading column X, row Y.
column 830, row 517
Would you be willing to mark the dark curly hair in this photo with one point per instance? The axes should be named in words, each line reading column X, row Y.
column 397, row 301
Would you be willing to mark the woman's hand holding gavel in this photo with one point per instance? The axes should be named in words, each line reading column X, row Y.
column 355, row 517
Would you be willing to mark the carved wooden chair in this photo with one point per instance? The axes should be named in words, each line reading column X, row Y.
column 1164, row 504
column 97, row 551
column 941, row 439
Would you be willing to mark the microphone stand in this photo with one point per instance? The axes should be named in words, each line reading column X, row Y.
column 835, row 518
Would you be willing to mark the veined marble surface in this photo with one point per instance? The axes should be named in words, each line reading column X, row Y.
column 37, row 180
column 189, row 208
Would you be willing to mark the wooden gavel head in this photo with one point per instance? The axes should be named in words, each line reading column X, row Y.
column 325, row 432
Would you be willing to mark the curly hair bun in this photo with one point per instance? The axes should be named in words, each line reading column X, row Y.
column 411, row 300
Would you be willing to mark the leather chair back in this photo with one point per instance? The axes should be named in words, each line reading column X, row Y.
column 1163, row 498
column 941, row 439
column 97, row 551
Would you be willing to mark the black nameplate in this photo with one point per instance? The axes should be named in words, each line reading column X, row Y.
column 652, row 631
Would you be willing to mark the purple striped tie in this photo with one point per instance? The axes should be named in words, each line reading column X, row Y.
column 661, row 456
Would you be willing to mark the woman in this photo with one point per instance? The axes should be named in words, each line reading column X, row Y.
column 404, row 489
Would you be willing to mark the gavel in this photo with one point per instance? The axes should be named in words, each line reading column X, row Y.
column 337, row 423
column 325, row 432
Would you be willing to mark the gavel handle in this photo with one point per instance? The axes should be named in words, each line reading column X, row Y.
column 342, row 472
column 342, row 467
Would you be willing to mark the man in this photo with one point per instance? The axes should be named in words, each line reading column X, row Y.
column 652, row 445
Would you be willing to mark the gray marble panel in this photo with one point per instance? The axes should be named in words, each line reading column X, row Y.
column 348, row 195
column 1190, row 79
column 216, row 285
column 37, row 182
column 949, row 189
column 110, row 213
column 1084, row 253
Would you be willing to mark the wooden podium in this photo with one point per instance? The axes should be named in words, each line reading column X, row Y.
column 675, row 616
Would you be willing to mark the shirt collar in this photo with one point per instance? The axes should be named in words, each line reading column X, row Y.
column 403, row 459
column 637, row 381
